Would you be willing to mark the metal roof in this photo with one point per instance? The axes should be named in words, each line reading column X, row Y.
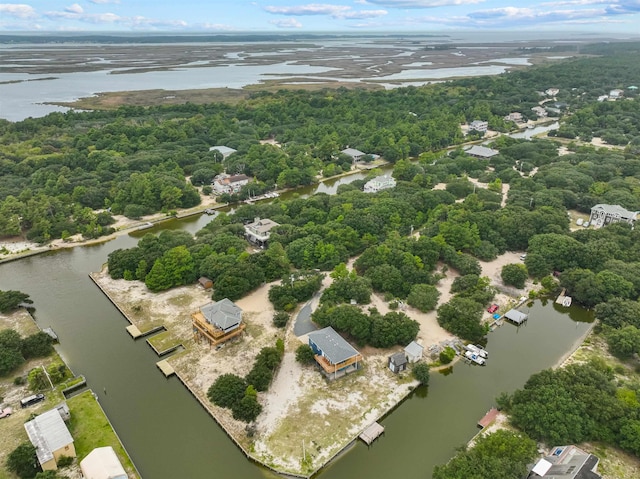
column 615, row 210
column 332, row 345
column 414, row 349
column 262, row 225
column 483, row 151
column 516, row 316
column 102, row 463
column 224, row 150
column 223, row 314
column 48, row 433
column 353, row 152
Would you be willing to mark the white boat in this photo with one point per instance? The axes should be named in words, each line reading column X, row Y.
column 473, row 357
column 477, row 350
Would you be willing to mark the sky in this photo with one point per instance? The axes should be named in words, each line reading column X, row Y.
column 228, row 16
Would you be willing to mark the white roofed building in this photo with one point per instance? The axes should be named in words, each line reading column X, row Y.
column 379, row 183
column 479, row 125
column 259, row 231
column 102, row 463
column 482, row 152
column 49, row 435
column 225, row 151
column 602, row 215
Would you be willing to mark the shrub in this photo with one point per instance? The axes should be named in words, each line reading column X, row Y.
column 22, row 461
column 447, row 355
column 421, row 373
column 227, row 390
column 514, row 275
column 304, row 354
column 64, row 461
column 280, row 319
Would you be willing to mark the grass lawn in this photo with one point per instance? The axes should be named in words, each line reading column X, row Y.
column 90, row 428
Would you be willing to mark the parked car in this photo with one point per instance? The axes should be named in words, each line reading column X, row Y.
column 523, row 257
column 5, row 412
column 493, row 308
column 28, row 401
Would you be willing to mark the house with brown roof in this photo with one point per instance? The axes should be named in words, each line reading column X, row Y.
column 229, row 184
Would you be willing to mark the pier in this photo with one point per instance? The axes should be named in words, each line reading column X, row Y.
column 373, row 432
column 564, row 300
column 488, row 418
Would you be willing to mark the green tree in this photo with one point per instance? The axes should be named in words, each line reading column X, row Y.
column 22, row 461
column 624, row 342
column 37, row 345
column 514, row 274
column 421, row 372
column 248, row 408
column 227, row 390
column 423, row 297
column 304, row 354
column 12, row 300
column 447, row 355
column 280, row 319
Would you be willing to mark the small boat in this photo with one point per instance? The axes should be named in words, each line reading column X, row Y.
column 477, row 350
column 473, row 357
column 146, row 226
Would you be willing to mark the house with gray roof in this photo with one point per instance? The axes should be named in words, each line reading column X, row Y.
column 225, row 151
column 414, row 352
column 259, row 231
column 49, row 435
column 482, row 152
column 398, row 362
column 516, row 317
column 333, row 353
column 566, row 462
column 602, row 215
column 218, row 322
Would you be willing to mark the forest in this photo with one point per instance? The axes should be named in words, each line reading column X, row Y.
column 67, row 173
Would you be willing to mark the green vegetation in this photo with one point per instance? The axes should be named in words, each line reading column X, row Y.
column 12, row 300
column 241, row 394
column 421, row 372
column 304, row 354
column 14, row 350
column 22, row 461
column 90, row 428
column 514, row 275
column 500, row 455
column 447, row 355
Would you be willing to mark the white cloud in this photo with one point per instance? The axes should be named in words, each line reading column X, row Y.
column 286, row 23
column 75, row 8
column 334, row 11
column 112, row 18
column 18, row 10
column 104, row 1
column 422, row 3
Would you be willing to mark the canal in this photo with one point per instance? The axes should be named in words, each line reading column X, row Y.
column 169, row 435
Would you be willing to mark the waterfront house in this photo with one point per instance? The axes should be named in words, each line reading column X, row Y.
column 218, row 322
column 566, row 462
column 398, row 362
column 602, row 215
column 482, row 152
column 333, row 354
column 229, row 184
column 259, row 231
column 539, row 111
column 205, row 282
column 49, row 435
column 379, row 183
column 414, row 352
column 356, row 155
column 515, row 116
column 479, row 125
column 225, row 151
column 516, row 317
column 102, row 463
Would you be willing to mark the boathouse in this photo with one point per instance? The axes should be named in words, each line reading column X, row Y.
column 218, row 322
column 398, row 362
column 516, row 317
column 102, row 463
column 333, row 354
column 49, row 435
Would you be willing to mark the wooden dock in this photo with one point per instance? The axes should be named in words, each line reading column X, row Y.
column 488, row 418
column 166, row 368
column 373, row 432
column 136, row 333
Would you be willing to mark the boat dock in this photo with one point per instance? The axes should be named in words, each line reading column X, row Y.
column 373, row 432
column 563, row 299
column 488, row 418
column 166, row 368
column 136, row 333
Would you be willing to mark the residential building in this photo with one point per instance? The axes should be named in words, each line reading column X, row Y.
column 539, row 111
column 225, row 151
column 398, row 362
column 566, row 462
column 552, row 91
column 356, row 155
column 218, row 322
column 259, row 231
column 414, row 352
column 102, row 463
column 479, row 125
column 514, row 116
column 602, row 98
column 49, row 435
column 335, row 356
column 481, row 152
column 602, row 215
column 615, row 94
column 230, row 184
column 379, row 183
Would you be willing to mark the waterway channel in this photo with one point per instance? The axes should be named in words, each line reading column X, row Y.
column 169, row 435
